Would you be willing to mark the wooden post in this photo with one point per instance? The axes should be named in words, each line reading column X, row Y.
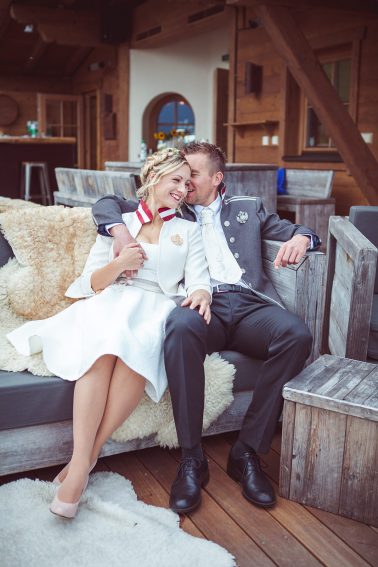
column 292, row 45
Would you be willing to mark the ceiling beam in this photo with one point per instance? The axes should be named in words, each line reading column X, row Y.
column 292, row 45
column 76, row 60
column 348, row 5
column 60, row 25
column 38, row 50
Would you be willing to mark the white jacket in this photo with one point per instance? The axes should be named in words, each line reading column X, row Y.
column 182, row 265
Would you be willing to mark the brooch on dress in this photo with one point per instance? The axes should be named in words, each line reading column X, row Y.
column 176, row 239
column 242, row 217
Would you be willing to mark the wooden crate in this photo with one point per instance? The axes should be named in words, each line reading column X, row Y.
column 329, row 456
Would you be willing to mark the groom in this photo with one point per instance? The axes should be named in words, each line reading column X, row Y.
column 247, row 316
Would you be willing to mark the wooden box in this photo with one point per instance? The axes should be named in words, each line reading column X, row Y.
column 329, row 456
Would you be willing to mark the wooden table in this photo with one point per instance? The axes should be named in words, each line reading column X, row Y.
column 329, row 455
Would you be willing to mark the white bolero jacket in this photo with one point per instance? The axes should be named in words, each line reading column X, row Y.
column 182, row 266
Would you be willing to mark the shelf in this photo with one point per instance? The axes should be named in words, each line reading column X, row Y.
column 252, row 123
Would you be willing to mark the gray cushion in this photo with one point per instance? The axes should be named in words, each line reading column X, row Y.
column 6, row 251
column 26, row 399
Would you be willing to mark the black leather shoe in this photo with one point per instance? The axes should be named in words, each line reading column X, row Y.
column 192, row 474
column 256, row 487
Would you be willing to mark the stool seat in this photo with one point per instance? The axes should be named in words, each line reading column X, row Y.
column 26, row 173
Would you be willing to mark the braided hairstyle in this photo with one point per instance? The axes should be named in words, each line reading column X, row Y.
column 156, row 166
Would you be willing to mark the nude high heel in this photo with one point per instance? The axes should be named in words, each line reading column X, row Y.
column 64, row 509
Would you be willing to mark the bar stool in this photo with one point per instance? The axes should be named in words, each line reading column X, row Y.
column 26, row 174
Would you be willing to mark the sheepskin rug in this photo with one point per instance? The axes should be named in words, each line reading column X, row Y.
column 50, row 246
column 111, row 528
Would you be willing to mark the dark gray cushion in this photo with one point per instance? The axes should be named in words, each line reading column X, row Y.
column 26, row 399
column 6, row 251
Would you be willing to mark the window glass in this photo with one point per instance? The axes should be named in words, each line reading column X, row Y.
column 167, row 113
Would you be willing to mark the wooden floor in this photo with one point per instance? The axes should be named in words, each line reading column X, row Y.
column 287, row 535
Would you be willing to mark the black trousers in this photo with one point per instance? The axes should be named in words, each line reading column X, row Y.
column 247, row 324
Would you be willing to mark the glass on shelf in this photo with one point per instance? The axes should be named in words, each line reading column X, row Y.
column 32, row 128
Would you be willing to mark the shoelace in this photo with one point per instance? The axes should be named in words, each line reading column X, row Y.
column 188, row 464
column 253, row 460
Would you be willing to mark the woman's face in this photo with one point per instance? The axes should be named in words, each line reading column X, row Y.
column 172, row 188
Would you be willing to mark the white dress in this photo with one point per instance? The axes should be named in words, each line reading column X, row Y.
column 124, row 320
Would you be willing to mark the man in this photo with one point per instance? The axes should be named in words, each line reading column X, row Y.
column 247, row 316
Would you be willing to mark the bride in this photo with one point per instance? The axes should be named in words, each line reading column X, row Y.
column 111, row 340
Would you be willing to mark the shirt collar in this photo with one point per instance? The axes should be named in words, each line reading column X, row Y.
column 215, row 206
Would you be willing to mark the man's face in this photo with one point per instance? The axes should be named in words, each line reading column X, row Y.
column 203, row 188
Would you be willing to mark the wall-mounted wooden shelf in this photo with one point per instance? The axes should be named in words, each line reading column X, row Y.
column 252, row 123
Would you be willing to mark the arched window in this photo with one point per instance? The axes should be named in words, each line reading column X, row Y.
column 168, row 119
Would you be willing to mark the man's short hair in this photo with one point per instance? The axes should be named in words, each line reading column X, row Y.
column 217, row 157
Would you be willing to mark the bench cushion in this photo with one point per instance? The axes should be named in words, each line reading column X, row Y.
column 26, row 399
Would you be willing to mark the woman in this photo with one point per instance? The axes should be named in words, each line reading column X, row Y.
column 111, row 342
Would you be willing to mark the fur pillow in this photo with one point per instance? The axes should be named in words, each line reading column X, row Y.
column 51, row 245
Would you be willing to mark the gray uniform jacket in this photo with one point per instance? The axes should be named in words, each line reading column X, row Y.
column 245, row 223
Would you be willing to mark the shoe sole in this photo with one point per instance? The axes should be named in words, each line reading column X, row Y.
column 194, row 506
column 237, row 479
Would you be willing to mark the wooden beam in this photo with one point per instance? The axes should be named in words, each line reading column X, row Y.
column 60, row 25
column 38, row 50
column 346, row 5
column 292, row 45
column 77, row 59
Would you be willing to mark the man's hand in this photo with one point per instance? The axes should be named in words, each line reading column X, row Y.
column 201, row 299
column 122, row 237
column 292, row 251
column 131, row 257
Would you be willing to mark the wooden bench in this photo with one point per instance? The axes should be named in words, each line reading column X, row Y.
column 83, row 187
column 329, row 455
column 350, row 278
column 258, row 180
column 309, row 198
column 301, row 289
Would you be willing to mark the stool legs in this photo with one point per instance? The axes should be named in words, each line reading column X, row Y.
column 26, row 174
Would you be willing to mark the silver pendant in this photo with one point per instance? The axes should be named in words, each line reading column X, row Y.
column 242, row 217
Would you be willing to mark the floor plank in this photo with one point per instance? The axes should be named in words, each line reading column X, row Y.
column 304, row 526
column 210, row 518
column 289, row 534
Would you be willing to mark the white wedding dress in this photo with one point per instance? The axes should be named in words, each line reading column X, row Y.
column 126, row 320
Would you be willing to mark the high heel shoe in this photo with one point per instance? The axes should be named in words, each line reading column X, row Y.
column 64, row 509
column 67, row 509
column 57, row 482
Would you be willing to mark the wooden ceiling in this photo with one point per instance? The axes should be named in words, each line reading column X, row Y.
column 62, row 34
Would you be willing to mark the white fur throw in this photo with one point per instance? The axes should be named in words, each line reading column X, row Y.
column 50, row 246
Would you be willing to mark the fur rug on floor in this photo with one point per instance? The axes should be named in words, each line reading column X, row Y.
column 51, row 245
column 111, row 528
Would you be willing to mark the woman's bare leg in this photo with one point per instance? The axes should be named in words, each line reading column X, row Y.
column 90, row 397
column 125, row 392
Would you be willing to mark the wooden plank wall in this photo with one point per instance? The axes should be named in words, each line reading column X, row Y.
column 322, row 27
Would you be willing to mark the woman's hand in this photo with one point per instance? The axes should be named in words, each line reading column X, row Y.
column 200, row 299
column 122, row 238
column 131, row 257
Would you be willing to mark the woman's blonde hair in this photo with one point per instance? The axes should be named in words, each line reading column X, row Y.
column 156, row 166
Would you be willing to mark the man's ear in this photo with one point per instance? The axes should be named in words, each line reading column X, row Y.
column 218, row 178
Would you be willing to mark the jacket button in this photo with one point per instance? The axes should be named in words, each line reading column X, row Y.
column 236, row 255
column 243, row 272
column 226, row 223
column 232, row 239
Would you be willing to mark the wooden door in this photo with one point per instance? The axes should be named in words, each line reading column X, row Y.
column 221, row 108
column 91, row 123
